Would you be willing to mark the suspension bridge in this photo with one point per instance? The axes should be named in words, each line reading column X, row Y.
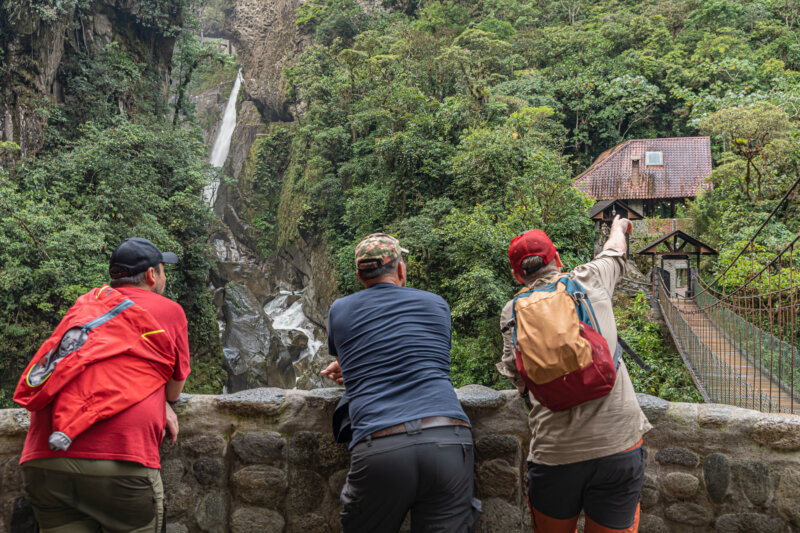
column 737, row 335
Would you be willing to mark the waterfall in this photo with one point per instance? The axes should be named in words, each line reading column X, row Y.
column 222, row 144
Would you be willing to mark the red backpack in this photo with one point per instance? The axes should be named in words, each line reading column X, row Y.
column 562, row 359
column 106, row 355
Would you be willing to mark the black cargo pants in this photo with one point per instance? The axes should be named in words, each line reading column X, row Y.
column 426, row 471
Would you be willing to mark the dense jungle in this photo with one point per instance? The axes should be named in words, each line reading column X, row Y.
column 452, row 124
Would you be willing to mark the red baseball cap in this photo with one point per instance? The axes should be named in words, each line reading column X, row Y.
column 528, row 243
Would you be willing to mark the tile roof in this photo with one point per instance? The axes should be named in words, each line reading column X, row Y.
column 687, row 164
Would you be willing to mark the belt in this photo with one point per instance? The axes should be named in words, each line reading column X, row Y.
column 429, row 422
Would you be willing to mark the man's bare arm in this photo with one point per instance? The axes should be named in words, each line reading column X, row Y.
column 174, row 389
column 616, row 238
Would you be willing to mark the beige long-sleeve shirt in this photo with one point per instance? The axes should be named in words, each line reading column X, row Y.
column 599, row 427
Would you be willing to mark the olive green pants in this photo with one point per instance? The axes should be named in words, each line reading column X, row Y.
column 93, row 496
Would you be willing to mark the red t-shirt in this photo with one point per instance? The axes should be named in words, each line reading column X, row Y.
column 134, row 434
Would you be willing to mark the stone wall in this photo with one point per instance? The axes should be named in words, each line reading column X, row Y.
column 263, row 461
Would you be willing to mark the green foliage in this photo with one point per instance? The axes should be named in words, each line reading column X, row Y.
column 60, row 217
column 669, row 378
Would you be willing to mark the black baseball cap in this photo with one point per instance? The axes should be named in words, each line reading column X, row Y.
column 135, row 255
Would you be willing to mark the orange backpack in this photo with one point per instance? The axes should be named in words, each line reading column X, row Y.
column 562, row 359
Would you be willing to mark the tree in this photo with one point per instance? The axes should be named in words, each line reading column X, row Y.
column 747, row 131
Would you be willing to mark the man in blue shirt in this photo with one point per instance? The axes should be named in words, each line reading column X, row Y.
column 412, row 444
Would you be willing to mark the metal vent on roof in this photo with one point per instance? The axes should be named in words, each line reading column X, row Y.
column 654, row 159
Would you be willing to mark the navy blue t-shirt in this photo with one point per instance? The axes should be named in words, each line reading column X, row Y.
column 393, row 345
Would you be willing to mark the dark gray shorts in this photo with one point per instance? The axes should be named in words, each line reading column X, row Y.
column 426, row 471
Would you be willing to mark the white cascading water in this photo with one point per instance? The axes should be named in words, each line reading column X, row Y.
column 222, row 144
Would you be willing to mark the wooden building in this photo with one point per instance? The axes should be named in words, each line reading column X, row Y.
column 651, row 176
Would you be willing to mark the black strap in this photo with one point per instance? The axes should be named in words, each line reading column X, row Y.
column 629, row 351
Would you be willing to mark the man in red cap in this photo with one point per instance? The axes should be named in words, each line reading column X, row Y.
column 588, row 457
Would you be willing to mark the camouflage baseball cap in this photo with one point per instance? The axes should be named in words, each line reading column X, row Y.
column 376, row 250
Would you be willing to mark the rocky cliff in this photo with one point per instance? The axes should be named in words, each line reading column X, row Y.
column 37, row 39
column 273, row 306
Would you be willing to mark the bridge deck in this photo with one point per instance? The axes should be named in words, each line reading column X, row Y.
column 759, row 379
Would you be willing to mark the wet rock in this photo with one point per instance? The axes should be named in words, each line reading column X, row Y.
column 254, row 520
column 210, row 513
column 653, row 408
column 677, row 456
column 306, row 492
column 749, row 523
column 753, row 478
column 260, row 484
column 262, row 448
column 688, row 513
column 652, row 524
column 787, row 496
column 778, row 433
column 497, row 478
column 499, row 515
column 679, row 485
column 208, row 470
column 250, row 343
column 498, row 447
column 205, row 445
column 178, row 499
column 717, row 475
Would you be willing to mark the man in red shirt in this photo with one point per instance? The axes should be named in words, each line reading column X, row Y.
column 109, row 478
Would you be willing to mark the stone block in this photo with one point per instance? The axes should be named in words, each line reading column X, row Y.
column 679, row 485
column 753, row 478
column 497, row 478
column 176, row 527
column 178, row 498
column 204, row 445
column 211, row 512
column 778, row 433
column 317, row 451
column 677, row 456
column 717, row 475
column 260, row 448
column 689, row 513
column 208, row 471
column 172, row 471
column 260, row 484
column 649, row 497
column 749, row 523
column 498, row 447
column 254, row 520
column 649, row 523
column 308, row 523
column 306, row 493
column 787, row 496
column 480, row 397
column 653, row 408
column 12, row 473
column 499, row 515
column 337, row 481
